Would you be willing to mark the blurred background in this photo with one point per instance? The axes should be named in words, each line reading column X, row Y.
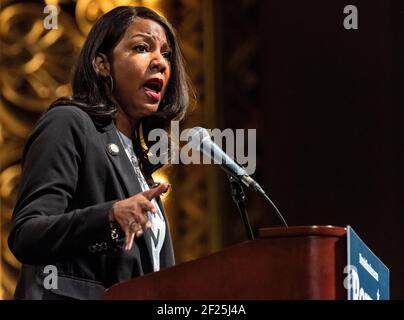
column 327, row 104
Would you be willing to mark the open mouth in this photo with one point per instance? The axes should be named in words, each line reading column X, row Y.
column 153, row 88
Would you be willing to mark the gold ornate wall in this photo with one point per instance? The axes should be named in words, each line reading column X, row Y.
column 35, row 67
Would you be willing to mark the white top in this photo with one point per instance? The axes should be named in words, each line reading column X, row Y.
column 158, row 228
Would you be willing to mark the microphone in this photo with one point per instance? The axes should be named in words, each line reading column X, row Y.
column 199, row 139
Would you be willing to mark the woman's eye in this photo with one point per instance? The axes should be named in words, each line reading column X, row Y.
column 167, row 55
column 140, row 48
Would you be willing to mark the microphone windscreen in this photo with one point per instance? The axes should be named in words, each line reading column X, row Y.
column 195, row 137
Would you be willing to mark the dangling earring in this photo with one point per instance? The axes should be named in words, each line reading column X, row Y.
column 111, row 84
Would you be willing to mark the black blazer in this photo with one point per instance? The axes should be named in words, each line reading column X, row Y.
column 69, row 181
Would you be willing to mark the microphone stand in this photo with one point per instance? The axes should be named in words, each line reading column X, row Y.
column 239, row 199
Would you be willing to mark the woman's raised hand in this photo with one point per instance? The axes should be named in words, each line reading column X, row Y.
column 131, row 213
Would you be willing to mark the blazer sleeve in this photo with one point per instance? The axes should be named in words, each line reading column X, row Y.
column 42, row 229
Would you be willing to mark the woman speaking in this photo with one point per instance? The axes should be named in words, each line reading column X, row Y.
column 87, row 205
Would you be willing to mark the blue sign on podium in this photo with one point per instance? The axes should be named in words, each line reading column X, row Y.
column 368, row 277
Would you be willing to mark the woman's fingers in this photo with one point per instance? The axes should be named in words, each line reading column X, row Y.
column 137, row 230
column 148, row 206
column 135, row 210
column 155, row 192
column 129, row 237
column 142, row 217
column 133, row 230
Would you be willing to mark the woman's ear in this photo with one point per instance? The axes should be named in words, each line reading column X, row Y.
column 101, row 65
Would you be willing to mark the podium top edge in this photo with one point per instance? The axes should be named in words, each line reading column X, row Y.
column 330, row 231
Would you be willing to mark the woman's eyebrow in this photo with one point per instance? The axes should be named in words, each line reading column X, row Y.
column 148, row 37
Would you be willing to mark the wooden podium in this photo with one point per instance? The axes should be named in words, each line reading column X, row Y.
column 283, row 263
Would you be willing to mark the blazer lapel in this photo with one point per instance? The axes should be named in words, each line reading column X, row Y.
column 125, row 171
column 117, row 154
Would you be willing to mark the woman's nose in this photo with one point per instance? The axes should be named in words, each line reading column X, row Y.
column 158, row 63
